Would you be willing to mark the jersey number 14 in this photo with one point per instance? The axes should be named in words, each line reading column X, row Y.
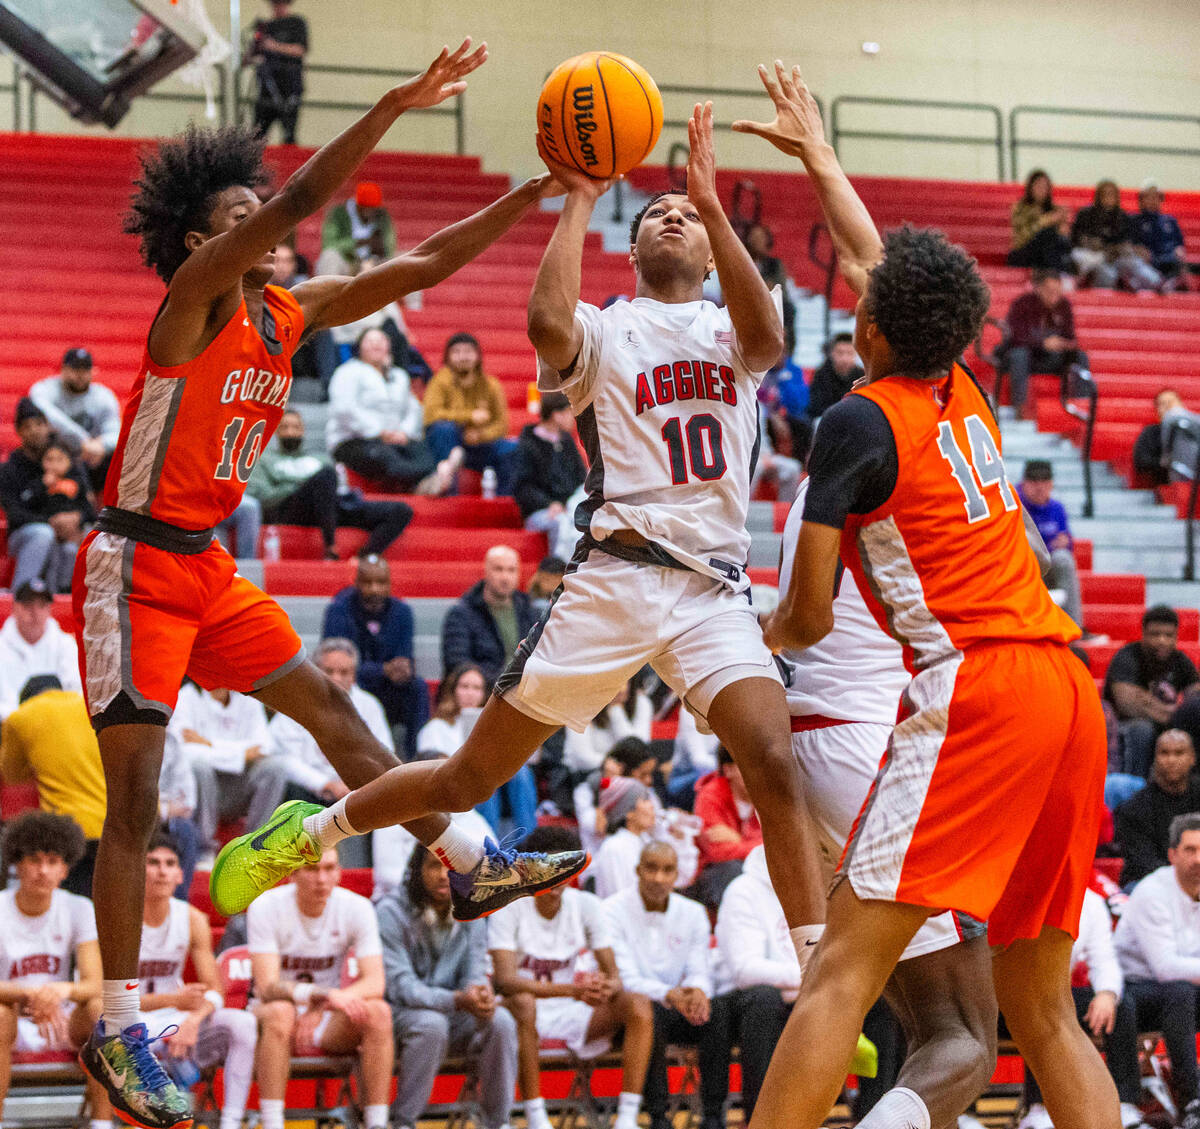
column 985, row 465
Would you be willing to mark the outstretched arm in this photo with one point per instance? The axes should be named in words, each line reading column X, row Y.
column 217, row 265
column 330, row 301
column 798, row 131
column 550, row 320
column 752, row 311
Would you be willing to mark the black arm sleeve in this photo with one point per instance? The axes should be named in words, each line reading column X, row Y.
column 853, row 466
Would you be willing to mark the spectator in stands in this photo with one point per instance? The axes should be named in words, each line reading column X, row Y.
column 1143, row 822
column 63, row 499
column 629, row 714
column 1050, row 517
column 48, row 740
column 381, row 627
column 299, row 936
column 630, row 756
column 1150, row 449
column 224, row 735
column 84, row 415
column 31, row 538
column 465, row 409
column 1158, row 946
column 1041, row 229
column 279, row 47
column 436, row 972
column 1104, row 1011
column 834, row 377
column 50, row 990
column 760, row 242
column 490, row 619
column 694, row 756
column 661, row 944
column 538, row 946
column 548, row 469
column 311, row 777
column 316, row 358
column 542, row 585
column 1102, row 236
column 753, row 940
column 774, row 463
column 729, row 828
column 357, row 233
column 1041, row 335
column 208, row 1034
column 31, row 643
column 629, row 817
column 375, row 423
column 1146, row 681
column 177, row 808
column 295, row 487
column 1159, row 238
column 460, row 698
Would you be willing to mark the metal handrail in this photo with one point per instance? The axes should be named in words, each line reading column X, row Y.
column 1077, row 384
column 1189, row 427
column 837, row 133
column 1015, row 141
column 708, row 93
column 676, row 168
column 830, row 269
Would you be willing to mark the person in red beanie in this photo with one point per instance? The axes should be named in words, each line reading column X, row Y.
column 729, row 828
column 357, row 233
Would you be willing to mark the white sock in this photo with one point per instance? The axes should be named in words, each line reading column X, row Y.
column 271, row 1112
column 375, row 1116
column 535, row 1113
column 804, row 941
column 897, row 1109
column 1130, row 1114
column 628, row 1107
column 330, row 826
column 228, row 1121
column 98, row 1123
column 121, row 1002
column 458, row 851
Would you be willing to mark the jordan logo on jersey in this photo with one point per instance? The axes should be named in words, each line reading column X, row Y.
column 685, row 380
column 257, row 385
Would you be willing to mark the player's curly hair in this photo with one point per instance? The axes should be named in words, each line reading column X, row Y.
column 36, row 832
column 927, row 298
column 178, row 185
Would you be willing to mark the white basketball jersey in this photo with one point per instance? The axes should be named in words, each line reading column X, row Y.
column 312, row 949
column 164, row 952
column 856, row 673
column 668, row 415
column 551, row 950
column 40, row 950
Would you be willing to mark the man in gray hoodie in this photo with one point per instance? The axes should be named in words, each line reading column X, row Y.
column 83, row 413
column 436, row 977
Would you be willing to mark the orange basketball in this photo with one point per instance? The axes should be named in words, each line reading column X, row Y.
column 600, row 113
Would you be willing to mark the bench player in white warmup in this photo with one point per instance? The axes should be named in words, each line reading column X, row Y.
column 208, row 1033
column 664, row 390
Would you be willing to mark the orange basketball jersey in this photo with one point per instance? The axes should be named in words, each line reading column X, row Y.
column 191, row 433
column 945, row 561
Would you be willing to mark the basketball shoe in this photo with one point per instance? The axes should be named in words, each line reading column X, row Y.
column 140, row 1091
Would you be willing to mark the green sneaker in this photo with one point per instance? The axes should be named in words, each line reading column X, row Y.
column 256, row 861
column 138, row 1087
column 865, row 1062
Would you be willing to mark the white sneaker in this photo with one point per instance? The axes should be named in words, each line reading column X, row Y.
column 1036, row 1118
column 966, row 1121
column 1131, row 1116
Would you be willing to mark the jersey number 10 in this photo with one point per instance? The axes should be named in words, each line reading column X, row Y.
column 250, row 443
column 986, row 465
column 707, row 461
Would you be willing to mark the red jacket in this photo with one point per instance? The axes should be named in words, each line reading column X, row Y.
column 715, row 805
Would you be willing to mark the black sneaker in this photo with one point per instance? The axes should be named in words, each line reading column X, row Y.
column 504, row 875
column 140, row 1091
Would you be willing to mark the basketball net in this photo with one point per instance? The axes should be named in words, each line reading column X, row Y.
column 202, row 70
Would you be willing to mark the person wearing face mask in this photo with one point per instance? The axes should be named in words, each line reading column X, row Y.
column 298, row 487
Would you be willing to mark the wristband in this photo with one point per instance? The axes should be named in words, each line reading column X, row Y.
column 215, row 998
column 301, row 994
column 805, row 938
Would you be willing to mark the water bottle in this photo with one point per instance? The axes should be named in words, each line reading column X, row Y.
column 533, row 399
column 343, row 479
column 487, row 484
column 271, row 547
column 184, row 1072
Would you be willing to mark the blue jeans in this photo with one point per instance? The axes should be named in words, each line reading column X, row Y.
column 239, row 531
column 520, row 793
column 443, row 436
column 30, row 547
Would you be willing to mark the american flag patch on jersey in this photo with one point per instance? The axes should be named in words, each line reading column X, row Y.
column 723, row 337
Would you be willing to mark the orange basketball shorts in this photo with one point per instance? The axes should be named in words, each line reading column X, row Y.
column 989, row 798
column 145, row 618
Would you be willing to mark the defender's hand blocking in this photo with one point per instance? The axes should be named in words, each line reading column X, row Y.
column 702, row 161
column 797, row 123
column 444, row 78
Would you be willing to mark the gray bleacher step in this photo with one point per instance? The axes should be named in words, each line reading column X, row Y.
column 1154, row 564
column 761, row 518
column 1130, row 532
column 1176, row 593
column 1113, row 502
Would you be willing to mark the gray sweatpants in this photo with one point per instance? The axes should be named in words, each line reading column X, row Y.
column 255, row 793
column 424, row 1036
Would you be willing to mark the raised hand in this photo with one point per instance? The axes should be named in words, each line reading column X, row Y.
column 566, row 178
column 702, row 161
column 444, row 78
column 797, row 123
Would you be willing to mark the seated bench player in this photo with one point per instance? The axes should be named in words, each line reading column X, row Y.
column 207, row 1032
column 49, row 955
column 300, row 936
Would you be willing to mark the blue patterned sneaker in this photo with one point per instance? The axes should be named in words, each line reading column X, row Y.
column 138, row 1087
column 503, row 875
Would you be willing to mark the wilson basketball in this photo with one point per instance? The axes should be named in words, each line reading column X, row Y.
column 600, row 113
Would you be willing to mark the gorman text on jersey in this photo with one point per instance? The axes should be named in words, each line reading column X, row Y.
column 258, row 385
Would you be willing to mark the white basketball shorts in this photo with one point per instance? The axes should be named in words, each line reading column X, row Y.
column 565, row 1020
column 610, row 618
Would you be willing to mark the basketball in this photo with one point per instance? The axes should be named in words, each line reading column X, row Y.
column 600, row 113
